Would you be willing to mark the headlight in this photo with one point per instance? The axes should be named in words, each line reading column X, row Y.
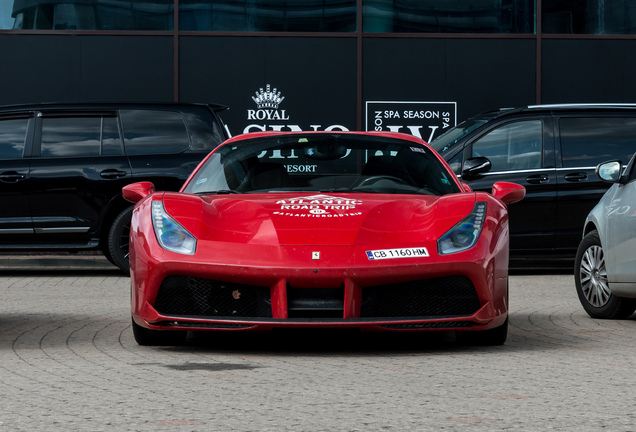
column 170, row 235
column 465, row 234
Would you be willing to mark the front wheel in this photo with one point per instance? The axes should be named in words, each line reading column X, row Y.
column 119, row 240
column 592, row 287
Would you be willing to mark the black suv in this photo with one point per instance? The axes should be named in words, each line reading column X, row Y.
column 62, row 168
column 553, row 151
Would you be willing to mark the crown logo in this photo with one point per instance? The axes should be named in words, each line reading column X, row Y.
column 267, row 98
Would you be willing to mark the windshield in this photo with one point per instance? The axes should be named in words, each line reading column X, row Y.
column 454, row 135
column 323, row 162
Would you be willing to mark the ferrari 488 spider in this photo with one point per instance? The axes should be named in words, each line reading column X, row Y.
column 320, row 229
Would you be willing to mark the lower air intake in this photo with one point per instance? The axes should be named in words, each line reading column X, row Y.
column 190, row 296
column 450, row 296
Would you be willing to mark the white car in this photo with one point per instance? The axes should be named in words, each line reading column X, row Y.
column 605, row 269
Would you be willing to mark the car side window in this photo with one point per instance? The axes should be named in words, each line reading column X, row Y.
column 630, row 166
column 70, row 136
column 111, row 140
column 154, row 132
column 456, row 163
column 588, row 141
column 205, row 135
column 513, row 146
column 12, row 137
column 80, row 136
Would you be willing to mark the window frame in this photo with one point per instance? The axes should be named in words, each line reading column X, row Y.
column 28, row 137
column 586, row 119
column 127, row 147
column 469, row 149
column 101, row 114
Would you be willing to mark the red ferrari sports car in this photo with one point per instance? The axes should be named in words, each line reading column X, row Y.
column 320, row 229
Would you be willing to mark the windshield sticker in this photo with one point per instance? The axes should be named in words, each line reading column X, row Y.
column 201, row 181
column 418, row 150
column 417, row 252
column 321, row 206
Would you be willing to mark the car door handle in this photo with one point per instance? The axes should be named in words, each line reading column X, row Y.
column 538, row 178
column 11, row 177
column 112, row 174
column 576, row 177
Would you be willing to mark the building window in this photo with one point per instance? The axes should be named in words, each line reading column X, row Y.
column 602, row 17
column 442, row 16
column 589, row 17
column 95, row 15
column 268, row 15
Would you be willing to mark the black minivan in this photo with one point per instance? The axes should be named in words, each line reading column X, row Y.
column 553, row 151
column 62, row 168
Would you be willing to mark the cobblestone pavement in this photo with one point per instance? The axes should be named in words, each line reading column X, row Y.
column 68, row 362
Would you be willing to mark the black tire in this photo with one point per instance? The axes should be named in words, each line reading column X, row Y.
column 147, row 337
column 492, row 337
column 592, row 287
column 119, row 240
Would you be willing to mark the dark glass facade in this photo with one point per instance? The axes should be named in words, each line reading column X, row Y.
column 439, row 16
column 93, row 15
column 414, row 66
column 589, row 17
column 593, row 17
column 268, row 15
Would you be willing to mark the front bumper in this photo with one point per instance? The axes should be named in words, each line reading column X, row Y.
column 199, row 296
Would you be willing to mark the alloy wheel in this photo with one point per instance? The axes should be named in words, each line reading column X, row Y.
column 594, row 277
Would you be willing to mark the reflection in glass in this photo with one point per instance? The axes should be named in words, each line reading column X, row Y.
column 268, row 15
column 588, row 141
column 71, row 136
column 442, row 16
column 154, row 132
column 514, row 146
column 589, row 17
column 12, row 136
column 379, row 16
column 93, row 15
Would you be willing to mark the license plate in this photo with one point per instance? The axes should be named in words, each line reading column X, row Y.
column 416, row 252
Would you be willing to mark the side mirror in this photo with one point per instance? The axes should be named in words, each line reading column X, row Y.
column 507, row 192
column 476, row 165
column 135, row 192
column 610, row 171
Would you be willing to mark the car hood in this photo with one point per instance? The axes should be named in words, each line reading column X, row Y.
column 317, row 219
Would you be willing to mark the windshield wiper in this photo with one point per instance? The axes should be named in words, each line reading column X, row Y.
column 335, row 190
column 219, row 192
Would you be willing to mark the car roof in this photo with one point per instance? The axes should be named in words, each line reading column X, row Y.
column 554, row 108
column 108, row 105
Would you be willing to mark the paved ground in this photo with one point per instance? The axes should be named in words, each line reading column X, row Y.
column 68, row 362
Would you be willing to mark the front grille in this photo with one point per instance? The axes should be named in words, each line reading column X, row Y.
column 444, row 297
column 196, row 297
column 315, row 302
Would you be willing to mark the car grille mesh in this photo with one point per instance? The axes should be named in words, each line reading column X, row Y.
column 445, row 297
column 190, row 296
column 436, row 298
